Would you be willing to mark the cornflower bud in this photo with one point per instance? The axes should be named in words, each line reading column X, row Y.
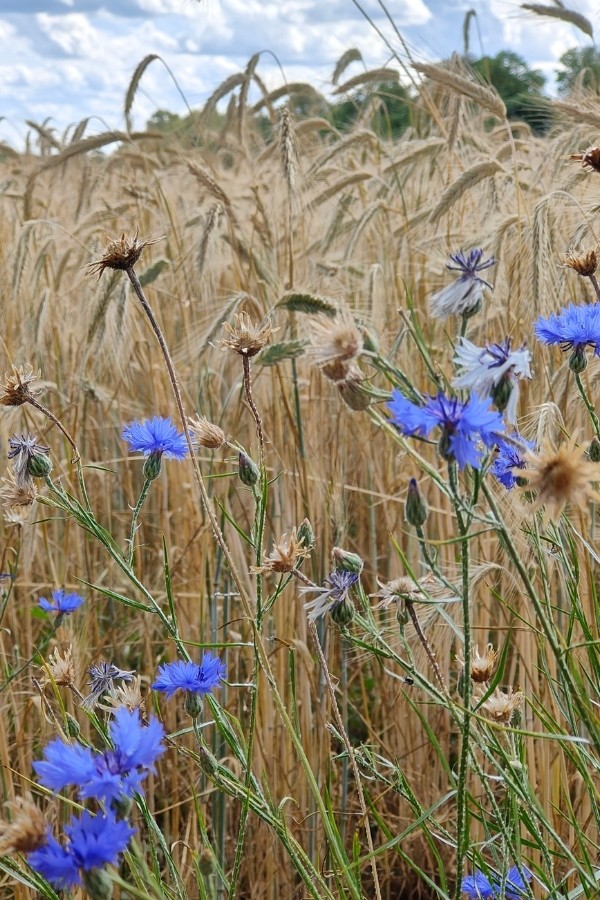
column 415, row 508
column 247, row 470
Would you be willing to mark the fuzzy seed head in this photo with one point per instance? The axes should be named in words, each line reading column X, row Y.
column 16, row 389
column 335, row 343
column 61, row 668
column 501, row 707
column 25, row 832
column 285, row 555
column 245, row 337
column 584, row 263
column 121, row 253
column 482, row 665
column 206, row 433
column 15, row 496
column 561, row 477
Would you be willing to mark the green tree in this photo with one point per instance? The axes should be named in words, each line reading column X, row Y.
column 580, row 65
column 391, row 116
column 519, row 86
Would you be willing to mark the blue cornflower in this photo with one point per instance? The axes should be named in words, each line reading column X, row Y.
column 479, row 886
column 463, row 297
column 573, row 328
column 61, row 603
column 511, row 455
column 334, row 593
column 111, row 774
column 463, row 424
column 93, row 842
column 189, row 676
column 157, row 436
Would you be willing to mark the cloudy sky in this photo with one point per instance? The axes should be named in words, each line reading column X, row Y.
column 64, row 60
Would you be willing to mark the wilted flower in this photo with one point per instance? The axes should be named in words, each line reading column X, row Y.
column 482, row 665
column 26, row 831
column 13, row 495
column 511, row 455
column 93, row 841
column 245, row 337
column 463, row 297
column 479, row 887
column 30, row 458
column 336, row 342
column 285, row 555
column 334, row 593
column 16, row 389
column 122, row 253
column 352, row 390
column 573, row 328
column 590, row 158
column 189, row 676
column 61, row 668
column 560, row 477
column 463, row 424
column 584, row 263
column 103, row 677
column 61, row 603
column 206, row 433
column 495, row 370
column 501, row 706
column 129, row 696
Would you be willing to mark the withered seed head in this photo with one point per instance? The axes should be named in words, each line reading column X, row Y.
column 285, row 555
column 501, row 707
column 16, row 389
column 61, row 668
column 245, row 337
column 560, row 477
column 584, row 263
column 482, row 665
column 352, row 391
column 335, row 343
column 590, row 158
column 27, row 830
column 122, row 253
column 206, row 433
column 13, row 495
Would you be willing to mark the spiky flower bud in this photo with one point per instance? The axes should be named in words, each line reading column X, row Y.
column 39, row 465
column 415, row 508
column 193, row 704
column 305, row 533
column 594, row 450
column 578, row 360
column 152, row 466
column 98, row 884
column 342, row 613
column 345, row 561
column 247, row 470
column 72, row 726
column 501, row 392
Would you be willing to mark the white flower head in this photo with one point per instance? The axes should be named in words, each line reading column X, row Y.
column 464, row 296
column 486, row 369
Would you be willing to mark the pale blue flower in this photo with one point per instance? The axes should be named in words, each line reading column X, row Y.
column 189, row 676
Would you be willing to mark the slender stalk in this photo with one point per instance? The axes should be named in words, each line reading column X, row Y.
column 252, row 404
column 50, row 415
column 410, row 609
column 588, row 404
column 134, row 520
column 595, row 284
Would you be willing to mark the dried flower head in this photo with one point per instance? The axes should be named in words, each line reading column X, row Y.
column 584, row 263
column 61, row 669
column 26, row 831
column 103, row 680
column 206, row 433
column 501, row 707
column 335, row 343
column 285, row 555
column 245, row 337
column 559, row 477
column 352, row 391
column 129, row 695
column 16, row 389
column 482, row 665
column 590, row 158
column 13, row 496
column 122, row 253
column 398, row 590
column 30, row 458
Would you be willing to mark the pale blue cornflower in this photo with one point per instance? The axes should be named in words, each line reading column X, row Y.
column 189, row 676
column 493, row 370
column 479, row 886
column 464, row 424
column 93, row 842
column 573, row 328
column 334, row 593
column 511, row 457
column 61, row 603
column 464, row 296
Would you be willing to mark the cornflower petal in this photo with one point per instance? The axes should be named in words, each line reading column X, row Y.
column 138, row 744
column 409, row 417
column 157, row 436
column 190, row 677
column 61, row 603
column 64, row 764
column 56, row 864
column 97, row 840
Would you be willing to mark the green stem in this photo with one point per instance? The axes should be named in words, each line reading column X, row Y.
column 588, row 404
column 134, row 520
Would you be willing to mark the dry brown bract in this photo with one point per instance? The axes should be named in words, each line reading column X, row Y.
column 559, row 477
column 26, row 832
column 584, row 263
column 334, row 344
column 245, row 337
column 206, row 433
column 16, row 389
column 129, row 695
column 590, row 158
column 501, row 707
column 61, row 668
column 13, row 495
column 284, row 556
column 482, row 666
column 122, row 253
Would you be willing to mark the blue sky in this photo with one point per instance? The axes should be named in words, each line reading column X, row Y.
column 68, row 59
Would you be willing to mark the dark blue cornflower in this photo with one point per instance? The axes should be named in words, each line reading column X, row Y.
column 111, row 774
column 61, row 603
column 156, row 436
column 573, row 328
column 333, row 594
column 189, row 676
column 463, row 297
column 464, row 424
column 511, row 455
column 93, row 841
column 479, row 886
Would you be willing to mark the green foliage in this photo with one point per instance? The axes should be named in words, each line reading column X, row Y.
column 391, row 115
column 519, row 86
column 581, row 68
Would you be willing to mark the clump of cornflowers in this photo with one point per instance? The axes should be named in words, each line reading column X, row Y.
column 333, row 597
column 480, row 887
column 61, row 603
column 465, row 425
column 195, row 680
column 155, row 438
column 493, row 370
column 30, row 458
column 92, row 843
column 574, row 328
column 109, row 775
column 511, row 458
column 464, row 296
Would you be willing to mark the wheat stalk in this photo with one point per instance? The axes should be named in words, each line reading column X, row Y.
column 485, row 96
